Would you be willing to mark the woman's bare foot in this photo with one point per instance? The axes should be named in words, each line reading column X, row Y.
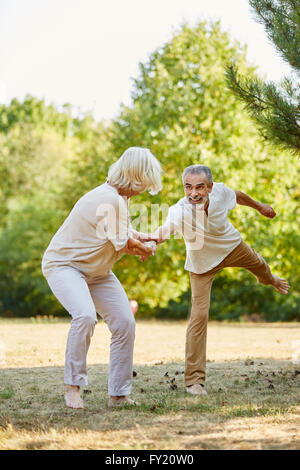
column 280, row 284
column 120, row 401
column 72, row 397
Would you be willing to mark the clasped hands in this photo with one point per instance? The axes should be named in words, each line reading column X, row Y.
column 144, row 245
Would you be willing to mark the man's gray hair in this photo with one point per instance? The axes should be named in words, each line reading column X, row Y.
column 197, row 170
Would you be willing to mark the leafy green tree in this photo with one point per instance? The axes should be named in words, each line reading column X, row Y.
column 89, row 164
column 35, row 111
column 274, row 108
column 182, row 110
column 31, row 158
column 24, row 291
column 43, row 168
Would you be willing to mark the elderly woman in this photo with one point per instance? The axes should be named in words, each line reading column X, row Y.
column 77, row 265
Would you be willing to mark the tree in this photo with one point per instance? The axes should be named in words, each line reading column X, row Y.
column 182, row 110
column 31, row 158
column 275, row 108
column 34, row 111
column 90, row 161
column 23, row 290
column 47, row 161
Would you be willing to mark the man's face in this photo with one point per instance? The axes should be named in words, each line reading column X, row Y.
column 196, row 188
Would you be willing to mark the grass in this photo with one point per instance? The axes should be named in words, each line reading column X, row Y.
column 253, row 397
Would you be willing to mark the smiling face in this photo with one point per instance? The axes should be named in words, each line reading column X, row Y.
column 196, row 188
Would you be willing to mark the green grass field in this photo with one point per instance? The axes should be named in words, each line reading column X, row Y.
column 253, row 386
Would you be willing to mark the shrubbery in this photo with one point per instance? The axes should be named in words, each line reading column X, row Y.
column 181, row 110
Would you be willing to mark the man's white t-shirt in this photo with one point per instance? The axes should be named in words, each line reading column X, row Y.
column 92, row 235
column 208, row 238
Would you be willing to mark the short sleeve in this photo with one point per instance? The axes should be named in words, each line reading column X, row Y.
column 174, row 218
column 229, row 198
column 114, row 222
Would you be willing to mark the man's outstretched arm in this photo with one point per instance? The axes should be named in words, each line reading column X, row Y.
column 162, row 234
column 245, row 200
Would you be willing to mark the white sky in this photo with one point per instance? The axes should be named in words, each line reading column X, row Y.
column 85, row 51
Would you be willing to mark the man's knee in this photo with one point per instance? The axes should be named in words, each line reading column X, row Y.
column 200, row 306
column 197, row 323
column 199, row 316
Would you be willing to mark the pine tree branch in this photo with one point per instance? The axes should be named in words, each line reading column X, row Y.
column 276, row 109
column 277, row 117
column 243, row 89
column 282, row 29
column 295, row 5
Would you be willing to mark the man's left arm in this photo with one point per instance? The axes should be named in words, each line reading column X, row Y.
column 245, row 200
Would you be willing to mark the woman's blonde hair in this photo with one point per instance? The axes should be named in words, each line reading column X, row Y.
column 137, row 170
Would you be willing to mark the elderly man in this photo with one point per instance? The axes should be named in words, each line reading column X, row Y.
column 212, row 244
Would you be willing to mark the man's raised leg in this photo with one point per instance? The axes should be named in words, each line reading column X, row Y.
column 243, row 256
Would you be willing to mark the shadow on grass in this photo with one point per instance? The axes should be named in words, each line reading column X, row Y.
column 32, row 398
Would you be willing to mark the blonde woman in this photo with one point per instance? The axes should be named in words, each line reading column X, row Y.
column 77, row 265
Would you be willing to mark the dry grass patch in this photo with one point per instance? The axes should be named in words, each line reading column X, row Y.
column 253, row 387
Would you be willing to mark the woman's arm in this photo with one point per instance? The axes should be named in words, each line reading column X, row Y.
column 162, row 234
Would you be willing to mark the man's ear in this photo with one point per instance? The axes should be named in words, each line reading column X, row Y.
column 209, row 187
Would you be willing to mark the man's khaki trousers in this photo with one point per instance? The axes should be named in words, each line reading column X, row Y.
column 195, row 354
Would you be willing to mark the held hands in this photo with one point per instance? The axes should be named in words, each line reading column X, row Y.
column 141, row 249
column 152, row 245
column 266, row 211
column 150, row 237
column 146, row 241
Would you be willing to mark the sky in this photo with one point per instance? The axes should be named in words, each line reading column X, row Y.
column 86, row 52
